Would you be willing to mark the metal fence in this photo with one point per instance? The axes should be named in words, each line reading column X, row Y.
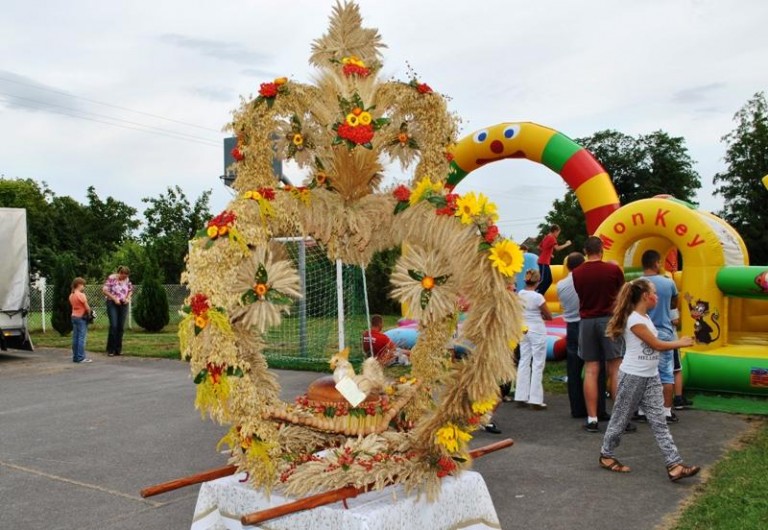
column 41, row 303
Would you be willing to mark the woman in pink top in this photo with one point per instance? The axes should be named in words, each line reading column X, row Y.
column 80, row 308
column 118, row 290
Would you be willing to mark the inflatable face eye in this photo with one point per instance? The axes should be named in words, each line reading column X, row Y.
column 480, row 136
column 511, row 131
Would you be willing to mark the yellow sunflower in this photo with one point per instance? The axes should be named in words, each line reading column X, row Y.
column 468, row 207
column 507, row 257
column 424, row 188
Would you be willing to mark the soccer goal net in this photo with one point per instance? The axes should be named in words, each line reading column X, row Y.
column 331, row 315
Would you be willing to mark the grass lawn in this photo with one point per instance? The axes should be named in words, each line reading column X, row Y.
column 136, row 342
column 736, row 494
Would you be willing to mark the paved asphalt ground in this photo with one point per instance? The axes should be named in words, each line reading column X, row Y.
column 78, row 443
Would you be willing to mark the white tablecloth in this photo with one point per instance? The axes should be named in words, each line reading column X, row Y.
column 464, row 503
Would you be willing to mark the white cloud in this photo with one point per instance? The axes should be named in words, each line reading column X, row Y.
column 684, row 67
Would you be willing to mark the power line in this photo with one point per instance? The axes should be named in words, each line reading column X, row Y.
column 87, row 113
column 206, row 143
column 38, row 87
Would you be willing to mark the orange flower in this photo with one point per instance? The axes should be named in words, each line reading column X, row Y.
column 281, row 81
column 357, row 111
column 321, row 178
column 223, row 230
column 212, row 232
column 428, row 282
column 298, row 140
column 260, row 289
column 201, row 321
column 402, row 137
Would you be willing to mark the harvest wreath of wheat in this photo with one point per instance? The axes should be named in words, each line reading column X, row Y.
column 342, row 129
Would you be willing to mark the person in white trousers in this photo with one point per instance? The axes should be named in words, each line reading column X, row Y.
column 529, row 389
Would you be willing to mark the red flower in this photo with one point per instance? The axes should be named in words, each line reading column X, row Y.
column 449, row 157
column 491, row 233
column 402, row 193
column 268, row 90
column 448, row 210
column 354, row 69
column 236, row 154
column 199, row 304
column 424, row 88
column 267, row 193
column 225, row 218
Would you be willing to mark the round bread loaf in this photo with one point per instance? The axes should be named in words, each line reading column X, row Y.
column 323, row 390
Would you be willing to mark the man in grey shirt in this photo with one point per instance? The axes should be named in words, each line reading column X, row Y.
column 569, row 301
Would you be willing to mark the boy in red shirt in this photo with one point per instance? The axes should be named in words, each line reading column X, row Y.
column 547, row 247
column 382, row 347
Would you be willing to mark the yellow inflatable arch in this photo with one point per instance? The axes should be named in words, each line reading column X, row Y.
column 705, row 244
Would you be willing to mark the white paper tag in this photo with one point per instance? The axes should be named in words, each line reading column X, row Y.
column 351, row 392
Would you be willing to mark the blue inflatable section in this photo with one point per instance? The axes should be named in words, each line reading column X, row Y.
column 403, row 337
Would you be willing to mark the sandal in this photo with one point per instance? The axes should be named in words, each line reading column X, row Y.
column 611, row 464
column 685, row 471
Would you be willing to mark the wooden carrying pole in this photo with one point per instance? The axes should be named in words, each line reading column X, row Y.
column 205, row 476
column 341, row 494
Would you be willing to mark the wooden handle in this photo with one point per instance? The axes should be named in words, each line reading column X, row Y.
column 490, row 448
column 307, row 503
column 205, row 476
column 340, row 494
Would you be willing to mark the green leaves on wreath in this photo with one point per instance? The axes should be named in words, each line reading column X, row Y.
column 427, row 283
column 401, row 206
column 261, row 274
column 231, row 371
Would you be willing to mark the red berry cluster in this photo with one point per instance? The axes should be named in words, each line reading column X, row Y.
column 199, row 304
column 268, row 90
column 361, row 134
column 424, row 88
column 225, row 218
column 355, row 69
column 236, row 154
column 491, row 233
column 446, row 466
column 301, row 459
column 267, row 193
column 450, row 205
column 215, row 372
column 402, row 193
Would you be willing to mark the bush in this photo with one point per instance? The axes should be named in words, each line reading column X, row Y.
column 377, row 275
column 150, row 311
column 61, row 312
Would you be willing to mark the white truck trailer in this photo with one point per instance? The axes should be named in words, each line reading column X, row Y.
column 14, row 280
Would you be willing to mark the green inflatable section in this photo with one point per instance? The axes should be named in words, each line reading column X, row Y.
column 744, row 282
column 558, row 151
column 726, row 373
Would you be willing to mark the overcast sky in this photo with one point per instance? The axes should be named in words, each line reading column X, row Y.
column 131, row 97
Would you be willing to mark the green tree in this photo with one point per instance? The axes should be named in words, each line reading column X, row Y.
column 640, row 168
column 106, row 225
column 132, row 254
column 170, row 222
column 150, row 310
column 61, row 312
column 26, row 193
column 745, row 197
